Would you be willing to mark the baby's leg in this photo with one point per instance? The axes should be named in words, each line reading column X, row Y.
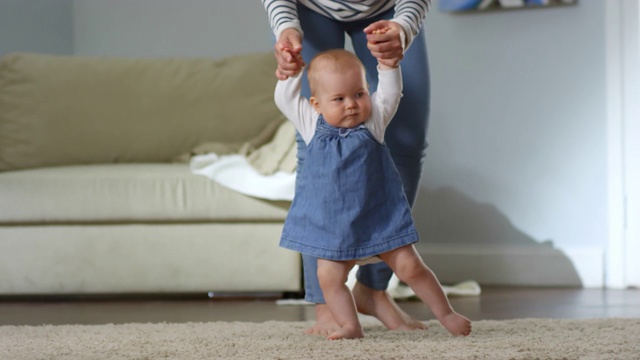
column 380, row 304
column 408, row 265
column 333, row 276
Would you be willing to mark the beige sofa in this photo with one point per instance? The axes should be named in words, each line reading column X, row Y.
column 91, row 198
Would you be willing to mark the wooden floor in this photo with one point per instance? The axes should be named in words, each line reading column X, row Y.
column 494, row 303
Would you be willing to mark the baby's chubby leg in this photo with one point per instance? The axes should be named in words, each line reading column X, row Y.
column 380, row 304
column 333, row 276
column 409, row 267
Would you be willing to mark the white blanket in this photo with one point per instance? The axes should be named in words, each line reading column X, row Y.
column 235, row 172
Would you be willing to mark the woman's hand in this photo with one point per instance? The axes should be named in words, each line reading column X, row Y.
column 384, row 40
column 288, row 50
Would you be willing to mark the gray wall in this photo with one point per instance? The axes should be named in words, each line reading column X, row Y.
column 518, row 117
column 42, row 26
column 518, row 151
column 168, row 28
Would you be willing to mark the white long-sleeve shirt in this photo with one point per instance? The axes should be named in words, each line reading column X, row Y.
column 384, row 103
column 409, row 14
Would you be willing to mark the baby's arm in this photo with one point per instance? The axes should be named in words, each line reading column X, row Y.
column 385, row 101
column 389, row 92
column 295, row 107
column 387, row 97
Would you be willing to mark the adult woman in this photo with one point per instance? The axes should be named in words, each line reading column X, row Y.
column 311, row 26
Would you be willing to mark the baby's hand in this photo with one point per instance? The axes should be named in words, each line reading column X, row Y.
column 380, row 31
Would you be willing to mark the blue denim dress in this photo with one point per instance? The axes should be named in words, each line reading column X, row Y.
column 350, row 204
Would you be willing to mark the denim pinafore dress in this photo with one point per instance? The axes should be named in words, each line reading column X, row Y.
column 349, row 203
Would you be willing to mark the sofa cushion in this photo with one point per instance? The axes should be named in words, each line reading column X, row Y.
column 67, row 110
column 125, row 193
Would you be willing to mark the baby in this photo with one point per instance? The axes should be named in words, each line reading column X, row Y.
column 350, row 207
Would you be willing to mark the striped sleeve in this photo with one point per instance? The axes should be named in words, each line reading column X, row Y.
column 410, row 15
column 282, row 15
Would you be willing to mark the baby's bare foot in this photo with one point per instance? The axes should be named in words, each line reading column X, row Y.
column 346, row 332
column 380, row 305
column 457, row 324
column 325, row 324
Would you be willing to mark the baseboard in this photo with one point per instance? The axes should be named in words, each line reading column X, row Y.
column 511, row 265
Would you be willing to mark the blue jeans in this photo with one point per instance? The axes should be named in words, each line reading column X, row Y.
column 406, row 135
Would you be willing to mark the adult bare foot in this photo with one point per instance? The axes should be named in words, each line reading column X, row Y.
column 456, row 324
column 325, row 324
column 379, row 304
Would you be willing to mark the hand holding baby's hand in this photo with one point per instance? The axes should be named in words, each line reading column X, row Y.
column 384, row 40
column 295, row 64
column 288, row 51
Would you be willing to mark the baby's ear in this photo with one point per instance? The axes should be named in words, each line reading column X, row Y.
column 315, row 103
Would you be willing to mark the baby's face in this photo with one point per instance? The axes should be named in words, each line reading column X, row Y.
column 343, row 97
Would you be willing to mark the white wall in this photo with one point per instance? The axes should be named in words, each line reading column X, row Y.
column 631, row 89
column 515, row 184
column 623, row 93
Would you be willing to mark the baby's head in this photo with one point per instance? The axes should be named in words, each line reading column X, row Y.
column 335, row 60
column 339, row 89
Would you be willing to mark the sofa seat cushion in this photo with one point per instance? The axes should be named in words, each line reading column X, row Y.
column 125, row 193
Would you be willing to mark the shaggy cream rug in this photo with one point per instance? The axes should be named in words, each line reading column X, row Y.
column 509, row 339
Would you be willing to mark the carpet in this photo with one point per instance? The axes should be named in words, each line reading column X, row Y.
column 506, row 339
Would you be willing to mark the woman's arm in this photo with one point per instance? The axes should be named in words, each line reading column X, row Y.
column 283, row 17
column 283, row 14
column 410, row 14
column 389, row 45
